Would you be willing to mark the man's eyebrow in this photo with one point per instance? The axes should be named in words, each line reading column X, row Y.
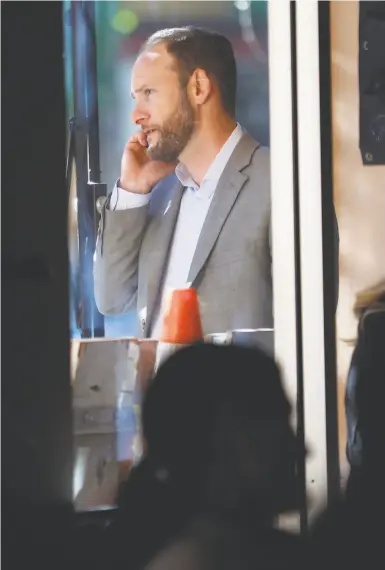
column 139, row 90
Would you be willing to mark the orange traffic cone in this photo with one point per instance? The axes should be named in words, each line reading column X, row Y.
column 181, row 324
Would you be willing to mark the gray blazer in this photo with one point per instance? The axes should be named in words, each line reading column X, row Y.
column 231, row 268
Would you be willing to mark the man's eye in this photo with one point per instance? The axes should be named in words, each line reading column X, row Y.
column 148, row 92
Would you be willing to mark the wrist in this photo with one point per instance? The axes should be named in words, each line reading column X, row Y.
column 128, row 187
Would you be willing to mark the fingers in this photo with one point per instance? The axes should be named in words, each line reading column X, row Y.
column 138, row 137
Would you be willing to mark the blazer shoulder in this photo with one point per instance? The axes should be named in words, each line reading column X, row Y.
column 259, row 166
column 261, row 156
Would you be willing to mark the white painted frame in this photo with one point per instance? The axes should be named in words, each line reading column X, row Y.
column 282, row 197
column 310, row 227
column 311, row 248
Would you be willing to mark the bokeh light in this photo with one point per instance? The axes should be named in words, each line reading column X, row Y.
column 125, row 22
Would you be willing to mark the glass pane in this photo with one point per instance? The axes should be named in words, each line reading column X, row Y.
column 121, row 28
column 101, row 368
column 108, row 378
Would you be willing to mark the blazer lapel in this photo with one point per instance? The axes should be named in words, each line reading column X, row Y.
column 162, row 239
column 229, row 186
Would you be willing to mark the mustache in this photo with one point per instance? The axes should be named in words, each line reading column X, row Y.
column 147, row 130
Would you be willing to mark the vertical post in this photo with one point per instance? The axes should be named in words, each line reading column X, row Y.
column 36, row 392
column 330, row 255
column 92, row 100
column 311, row 248
column 86, row 157
column 283, row 189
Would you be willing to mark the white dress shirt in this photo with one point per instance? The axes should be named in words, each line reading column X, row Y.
column 194, row 207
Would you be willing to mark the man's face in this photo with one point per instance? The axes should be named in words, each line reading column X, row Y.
column 162, row 109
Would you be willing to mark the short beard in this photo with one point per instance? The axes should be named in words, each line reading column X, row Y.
column 175, row 133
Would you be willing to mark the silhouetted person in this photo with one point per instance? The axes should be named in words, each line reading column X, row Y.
column 365, row 393
column 219, row 467
column 352, row 533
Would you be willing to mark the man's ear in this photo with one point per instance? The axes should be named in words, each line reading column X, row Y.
column 200, row 87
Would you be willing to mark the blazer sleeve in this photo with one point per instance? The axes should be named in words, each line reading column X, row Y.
column 117, row 258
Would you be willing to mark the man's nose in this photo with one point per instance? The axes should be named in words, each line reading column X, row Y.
column 139, row 115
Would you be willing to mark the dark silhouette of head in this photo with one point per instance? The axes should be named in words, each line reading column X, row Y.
column 217, row 419
column 216, row 424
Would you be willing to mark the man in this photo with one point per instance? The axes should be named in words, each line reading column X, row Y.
column 192, row 204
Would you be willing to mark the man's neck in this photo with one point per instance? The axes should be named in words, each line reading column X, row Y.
column 204, row 146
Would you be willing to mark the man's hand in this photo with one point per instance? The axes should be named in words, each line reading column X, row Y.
column 139, row 174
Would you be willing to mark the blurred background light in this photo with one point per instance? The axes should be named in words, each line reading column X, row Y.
column 242, row 4
column 125, row 22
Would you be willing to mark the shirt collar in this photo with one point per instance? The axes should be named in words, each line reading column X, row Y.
column 217, row 166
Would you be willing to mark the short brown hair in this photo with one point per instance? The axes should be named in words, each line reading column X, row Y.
column 195, row 48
